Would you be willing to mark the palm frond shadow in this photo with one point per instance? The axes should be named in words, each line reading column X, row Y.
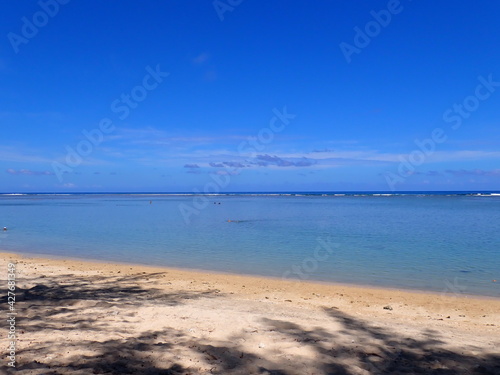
column 82, row 305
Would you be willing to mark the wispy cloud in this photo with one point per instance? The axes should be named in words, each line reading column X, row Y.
column 9, row 153
column 320, row 160
column 155, row 147
column 322, row 150
column 193, row 168
column 377, row 156
column 151, row 145
column 433, row 173
column 234, row 164
column 226, row 172
column 28, row 172
column 473, row 172
column 457, row 173
column 149, row 136
column 277, row 161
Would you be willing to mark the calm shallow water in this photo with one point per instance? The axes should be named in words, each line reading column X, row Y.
column 427, row 242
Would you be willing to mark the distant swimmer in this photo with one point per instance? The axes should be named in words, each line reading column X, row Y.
column 5, row 229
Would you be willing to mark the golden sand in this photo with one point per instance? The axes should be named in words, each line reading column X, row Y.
column 83, row 317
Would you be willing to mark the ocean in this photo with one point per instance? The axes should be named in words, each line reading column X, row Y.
column 444, row 242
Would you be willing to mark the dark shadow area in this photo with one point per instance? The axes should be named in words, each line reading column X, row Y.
column 131, row 356
column 60, row 303
column 84, row 305
column 381, row 351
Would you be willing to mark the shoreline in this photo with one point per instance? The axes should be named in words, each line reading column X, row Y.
column 288, row 285
column 198, row 272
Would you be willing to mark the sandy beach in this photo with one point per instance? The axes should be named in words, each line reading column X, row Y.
column 83, row 317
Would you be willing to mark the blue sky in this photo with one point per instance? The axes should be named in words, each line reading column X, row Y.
column 249, row 96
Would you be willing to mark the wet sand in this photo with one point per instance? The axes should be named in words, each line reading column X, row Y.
column 83, row 317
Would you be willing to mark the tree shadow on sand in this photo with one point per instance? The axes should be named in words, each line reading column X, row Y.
column 85, row 306
column 382, row 351
column 69, row 302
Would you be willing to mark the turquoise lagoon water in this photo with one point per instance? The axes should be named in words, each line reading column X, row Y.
column 438, row 242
